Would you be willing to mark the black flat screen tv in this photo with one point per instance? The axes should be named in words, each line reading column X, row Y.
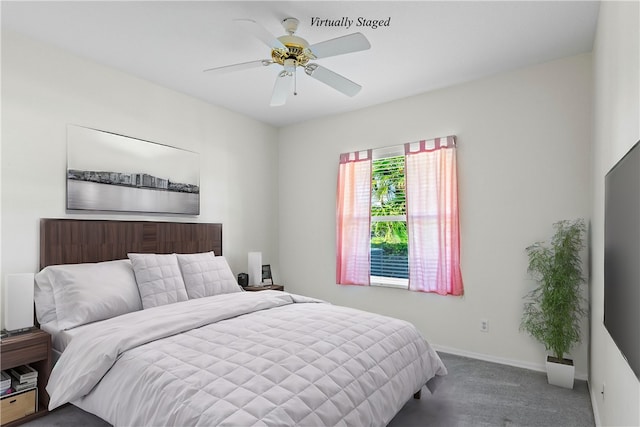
column 622, row 256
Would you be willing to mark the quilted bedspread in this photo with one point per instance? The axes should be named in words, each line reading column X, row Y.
column 250, row 358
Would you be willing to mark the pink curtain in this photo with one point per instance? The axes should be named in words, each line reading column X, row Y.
column 432, row 216
column 353, row 215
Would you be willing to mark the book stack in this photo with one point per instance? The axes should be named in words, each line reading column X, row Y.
column 5, row 383
column 23, row 378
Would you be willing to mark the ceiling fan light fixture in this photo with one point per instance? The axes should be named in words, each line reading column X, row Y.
column 290, row 65
column 296, row 48
column 291, row 52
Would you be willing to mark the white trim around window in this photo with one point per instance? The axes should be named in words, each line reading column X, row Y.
column 390, row 282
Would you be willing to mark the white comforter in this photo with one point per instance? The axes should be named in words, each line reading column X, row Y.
column 250, row 358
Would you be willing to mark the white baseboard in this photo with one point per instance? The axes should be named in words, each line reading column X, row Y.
column 503, row 361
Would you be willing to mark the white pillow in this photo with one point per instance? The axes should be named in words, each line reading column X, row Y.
column 206, row 275
column 85, row 293
column 43, row 297
column 159, row 279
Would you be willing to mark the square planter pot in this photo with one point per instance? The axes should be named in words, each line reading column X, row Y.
column 560, row 374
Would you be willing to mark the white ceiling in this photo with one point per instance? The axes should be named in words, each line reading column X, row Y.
column 428, row 45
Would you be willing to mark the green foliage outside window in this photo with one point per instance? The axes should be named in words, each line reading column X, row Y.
column 388, row 199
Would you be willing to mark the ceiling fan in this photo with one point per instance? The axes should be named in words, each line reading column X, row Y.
column 291, row 52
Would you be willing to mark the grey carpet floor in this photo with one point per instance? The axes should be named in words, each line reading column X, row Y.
column 478, row 393
column 475, row 393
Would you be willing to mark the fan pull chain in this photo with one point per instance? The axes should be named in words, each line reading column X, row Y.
column 295, row 82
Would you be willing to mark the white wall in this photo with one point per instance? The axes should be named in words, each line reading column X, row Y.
column 616, row 64
column 44, row 89
column 524, row 155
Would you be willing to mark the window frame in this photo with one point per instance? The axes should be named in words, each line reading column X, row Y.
column 383, row 281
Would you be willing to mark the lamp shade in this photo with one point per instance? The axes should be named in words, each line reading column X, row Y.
column 255, row 268
column 18, row 301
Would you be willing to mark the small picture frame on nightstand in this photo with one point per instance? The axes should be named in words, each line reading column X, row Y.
column 267, row 279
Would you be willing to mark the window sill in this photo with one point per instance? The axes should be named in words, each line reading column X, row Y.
column 390, row 282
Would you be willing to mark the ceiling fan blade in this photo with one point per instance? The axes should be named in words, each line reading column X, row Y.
column 238, row 67
column 335, row 80
column 346, row 44
column 281, row 89
column 260, row 32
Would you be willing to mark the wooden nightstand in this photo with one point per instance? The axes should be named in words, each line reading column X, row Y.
column 264, row 288
column 32, row 348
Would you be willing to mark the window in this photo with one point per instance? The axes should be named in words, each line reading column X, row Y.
column 397, row 218
column 389, row 238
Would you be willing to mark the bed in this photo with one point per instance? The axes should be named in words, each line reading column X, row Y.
column 152, row 329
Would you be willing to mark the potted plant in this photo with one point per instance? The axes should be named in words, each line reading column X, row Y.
column 553, row 311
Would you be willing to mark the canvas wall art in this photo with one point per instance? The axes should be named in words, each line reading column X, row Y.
column 111, row 172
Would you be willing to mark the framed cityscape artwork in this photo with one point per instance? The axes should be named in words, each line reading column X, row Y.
column 111, row 172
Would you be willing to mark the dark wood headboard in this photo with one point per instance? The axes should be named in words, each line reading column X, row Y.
column 74, row 241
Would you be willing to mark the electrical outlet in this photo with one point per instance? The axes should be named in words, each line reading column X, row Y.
column 484, row 325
